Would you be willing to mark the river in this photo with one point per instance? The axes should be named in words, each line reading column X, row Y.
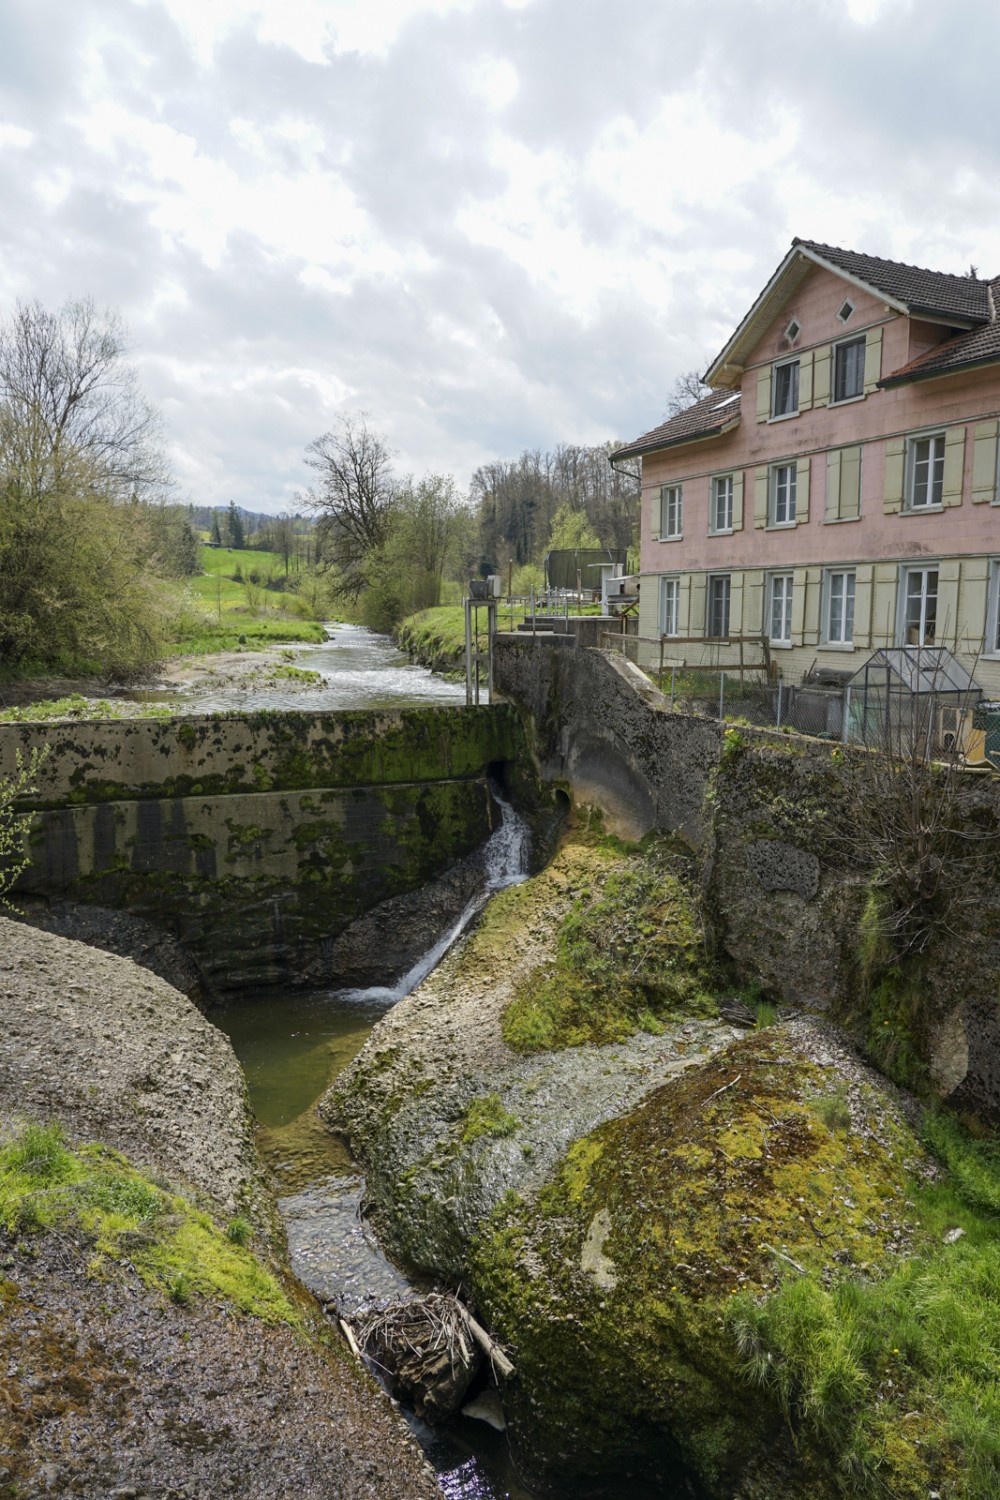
column 292, row 1050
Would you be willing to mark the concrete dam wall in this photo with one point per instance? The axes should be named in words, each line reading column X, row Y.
column 255, row 840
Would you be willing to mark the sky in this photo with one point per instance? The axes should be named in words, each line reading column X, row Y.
column 491, row 225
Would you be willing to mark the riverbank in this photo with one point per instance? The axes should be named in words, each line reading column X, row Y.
column 152, row 1341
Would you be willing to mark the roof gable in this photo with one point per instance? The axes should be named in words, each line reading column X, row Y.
column 712, row 415
column 959, row 301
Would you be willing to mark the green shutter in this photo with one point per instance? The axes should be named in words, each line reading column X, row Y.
column 798, row 605
column 821, row 376
column 736, row 604
column 802, row 491
column 984, row 463
column 884, row 605
column 806, row 381
column 753, row 601
column 954, row 466
column 760, row 497
column 947, row 602
column 873, row 359
column 850, row 483
column 684, row 606
column 656, row 513
column 812, row 590
column 696, row 619
column 862, row 604
column 831, row 511
column 738, row 501
column 895, row 466
column 764, row 394
column 973, row 600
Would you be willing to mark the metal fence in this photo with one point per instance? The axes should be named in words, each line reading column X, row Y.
column 734, row 680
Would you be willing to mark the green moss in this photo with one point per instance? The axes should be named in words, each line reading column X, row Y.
column 629, row 952
column 45, row 1185
column 487, row 1116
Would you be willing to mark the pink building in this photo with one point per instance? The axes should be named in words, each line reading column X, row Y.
column 837, row 490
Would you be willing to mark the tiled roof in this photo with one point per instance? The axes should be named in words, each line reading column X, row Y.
column 920, row 290
column 712, row 414
column 981, row 346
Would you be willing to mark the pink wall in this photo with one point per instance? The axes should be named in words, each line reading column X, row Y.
column 957, row 530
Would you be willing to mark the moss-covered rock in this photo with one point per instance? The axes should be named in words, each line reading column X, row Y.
column 613, row 1285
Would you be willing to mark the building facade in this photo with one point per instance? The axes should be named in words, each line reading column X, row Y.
column 838, row 490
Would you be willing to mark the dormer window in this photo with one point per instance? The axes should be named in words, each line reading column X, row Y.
column 792, row 331
column 846, row 311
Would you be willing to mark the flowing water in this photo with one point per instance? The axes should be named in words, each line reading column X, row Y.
column 291, row 1051
column 358, row 670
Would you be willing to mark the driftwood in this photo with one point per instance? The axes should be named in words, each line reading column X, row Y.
column 430, row 1349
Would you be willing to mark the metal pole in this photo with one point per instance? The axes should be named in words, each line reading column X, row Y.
column 673, row 684
column 722, row 693
column 847, row 715
column 778, row 724
column 468, row 652
column 491, row 622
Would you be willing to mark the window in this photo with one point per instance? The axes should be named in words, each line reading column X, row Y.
column 846, row 311
column 779, row 608
column 721, row 513
column 785, row 389
column 992, row 644
column 670, row 599
column 717, row 623
column 793, row 330
column 838, row 614
column 924, row 471
column 671, row 513
column 849, row 370
column 920, row 606
column 782, row 497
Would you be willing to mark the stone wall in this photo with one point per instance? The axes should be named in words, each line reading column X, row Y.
column 785, row 871
column 256, row 840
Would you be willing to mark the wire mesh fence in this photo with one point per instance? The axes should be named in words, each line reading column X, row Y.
column 908, row 702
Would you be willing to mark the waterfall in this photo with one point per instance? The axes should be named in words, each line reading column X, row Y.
column 505, row 862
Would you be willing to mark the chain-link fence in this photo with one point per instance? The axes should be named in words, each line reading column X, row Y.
column 908, row 702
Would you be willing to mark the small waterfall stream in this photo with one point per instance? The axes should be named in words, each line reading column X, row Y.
column 291, row 1052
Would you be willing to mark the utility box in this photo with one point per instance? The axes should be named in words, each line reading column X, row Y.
column 986, row 720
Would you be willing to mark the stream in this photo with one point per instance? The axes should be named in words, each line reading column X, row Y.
column 294, row 1047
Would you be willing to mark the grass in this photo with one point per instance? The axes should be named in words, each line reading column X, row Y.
column 240, row 600
column 47, row 1185
column 898, row 1378
column 435, row 635
column 629, row 952
column 75, row 706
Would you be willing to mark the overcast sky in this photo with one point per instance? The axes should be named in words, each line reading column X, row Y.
column 490, row 224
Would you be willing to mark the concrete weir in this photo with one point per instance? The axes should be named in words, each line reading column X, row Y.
column 254, row 840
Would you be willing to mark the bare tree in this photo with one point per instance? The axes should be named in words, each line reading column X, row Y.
column 685, row 391
column 69, row 395
column 353, row 498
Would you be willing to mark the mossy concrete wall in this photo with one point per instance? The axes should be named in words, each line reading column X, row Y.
column 257, row 839
column 787, row 871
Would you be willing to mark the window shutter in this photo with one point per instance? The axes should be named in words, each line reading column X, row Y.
column 831, row 510
column 850, row 483
column 984, row 463
column 656, row 514
column 806, row 381
column 973, row 600
column 812, row 588
column 753, row 601
column 954, row 466
column 684, row 606
column 738, row 501
column 822, row 368
column 697, row 619
column 884, row 605
column 863, row 604
column 802, row 491
column 736, row 604
column 764, row 394
column 947, row 602
column 892, row 490
column 798, row 605
column 760, row 497
column 873, row 359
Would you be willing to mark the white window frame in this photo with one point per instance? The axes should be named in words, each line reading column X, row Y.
column 857, row 395
column 936, row 457
column 776, row 491
column 847, row 596
column 908, row 571
column 670, row 612
column 722, row 581
column 792, row 411
column 991, row 645
column 786, row 581
column 671, row 512
column 715, row 491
